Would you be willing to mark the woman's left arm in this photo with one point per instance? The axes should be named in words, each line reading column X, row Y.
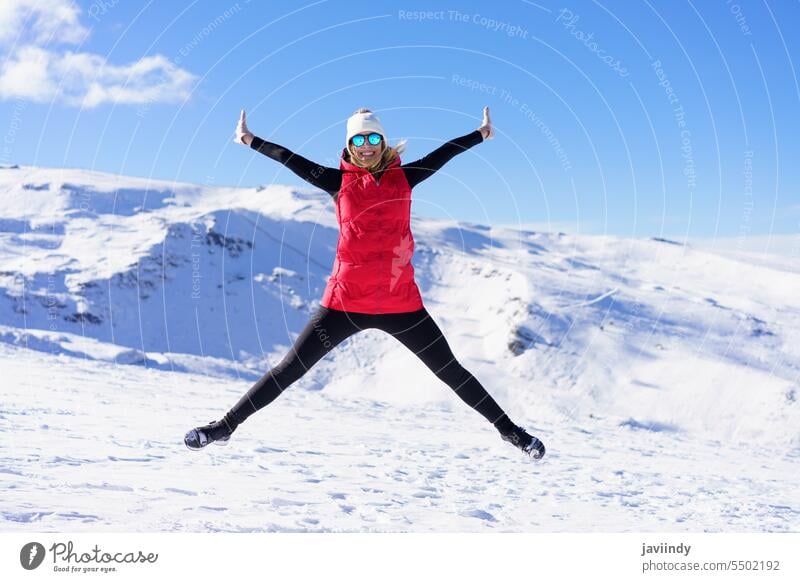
column 425, row 167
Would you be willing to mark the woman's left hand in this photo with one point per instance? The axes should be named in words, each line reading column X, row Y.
column 243, row 135
column 486, row 127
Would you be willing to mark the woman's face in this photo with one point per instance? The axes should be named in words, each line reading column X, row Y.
column 367, row 153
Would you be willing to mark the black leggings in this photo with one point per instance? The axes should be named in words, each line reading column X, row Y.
column 328, row 327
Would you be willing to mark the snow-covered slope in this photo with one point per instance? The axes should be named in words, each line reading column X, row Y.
column 597, row 343
column 155, row 267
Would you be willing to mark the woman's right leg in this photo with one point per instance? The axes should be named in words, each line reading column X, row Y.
column 325, row 330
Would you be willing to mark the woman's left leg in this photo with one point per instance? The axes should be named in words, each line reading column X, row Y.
column 419, row 333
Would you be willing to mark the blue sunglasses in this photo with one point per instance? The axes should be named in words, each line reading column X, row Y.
column 359, row 140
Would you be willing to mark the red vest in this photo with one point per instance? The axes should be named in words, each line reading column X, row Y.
column 372, row 272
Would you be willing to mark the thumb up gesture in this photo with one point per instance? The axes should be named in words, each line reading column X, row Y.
column 486, row 126
column 243, row 135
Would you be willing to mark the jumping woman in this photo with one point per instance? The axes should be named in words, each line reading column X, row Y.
column 372, row 283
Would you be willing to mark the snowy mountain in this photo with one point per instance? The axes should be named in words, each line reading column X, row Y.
column 633, row 351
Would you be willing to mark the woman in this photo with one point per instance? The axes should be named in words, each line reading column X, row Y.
column 372, row 283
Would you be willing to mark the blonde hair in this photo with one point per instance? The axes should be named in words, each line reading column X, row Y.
column 388, row 153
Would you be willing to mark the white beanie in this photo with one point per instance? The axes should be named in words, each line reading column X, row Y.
column 361, row 122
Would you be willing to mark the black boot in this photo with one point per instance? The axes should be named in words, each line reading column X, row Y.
column 218, row 432
column 528, row 444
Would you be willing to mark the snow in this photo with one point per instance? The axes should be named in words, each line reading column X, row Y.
column 662, row 376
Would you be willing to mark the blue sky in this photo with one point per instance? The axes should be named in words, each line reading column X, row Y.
column 674, row 119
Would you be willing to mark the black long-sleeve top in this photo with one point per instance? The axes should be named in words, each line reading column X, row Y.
column 330, row 179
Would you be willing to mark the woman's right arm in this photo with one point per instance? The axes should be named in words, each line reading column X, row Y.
column 322, row 177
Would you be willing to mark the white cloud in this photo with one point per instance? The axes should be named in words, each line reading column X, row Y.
column 88, row 80
column 27, row 76
column 31, row 72
column 40, row 21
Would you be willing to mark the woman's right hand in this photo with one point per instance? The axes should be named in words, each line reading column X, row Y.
column 243, row 134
